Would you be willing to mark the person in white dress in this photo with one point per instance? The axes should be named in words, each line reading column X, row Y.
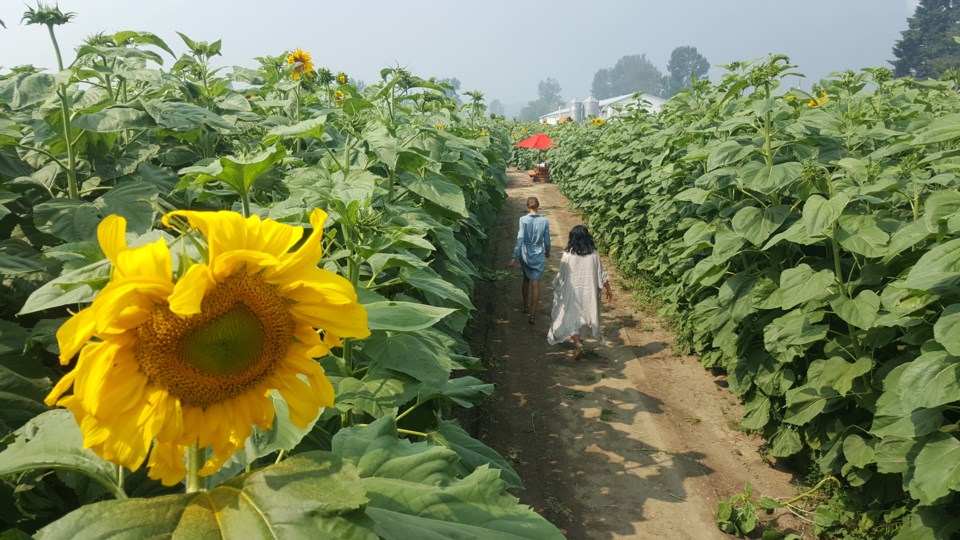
column 576, row 292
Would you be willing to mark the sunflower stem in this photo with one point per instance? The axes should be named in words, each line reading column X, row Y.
column 404, row 431
column 296, row 144
column 409, row 410
column 68, row 139
column 120, row 477
column 194, row 462
column 65, row 114
column 412, row 432
column 56, row 46
column 245, row 199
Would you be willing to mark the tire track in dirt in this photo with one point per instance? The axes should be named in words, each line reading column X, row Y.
column 633, row 441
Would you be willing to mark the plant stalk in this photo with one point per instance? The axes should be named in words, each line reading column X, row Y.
column 72, row 188
column 194, row 463
column 245, row 200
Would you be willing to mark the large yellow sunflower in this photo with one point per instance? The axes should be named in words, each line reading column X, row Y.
column 303, row 58
column 167, row 363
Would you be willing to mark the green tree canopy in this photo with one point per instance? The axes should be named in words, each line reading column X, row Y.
column 927, row 48
column 685, row 62
column 454, row 82
column 601, row 84
column 496, row 107
column 632, row 73
column 549, row 98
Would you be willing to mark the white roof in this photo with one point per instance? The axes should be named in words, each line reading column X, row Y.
column 606, row 105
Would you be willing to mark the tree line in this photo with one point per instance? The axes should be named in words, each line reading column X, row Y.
column 632, row 73
column 928, row 48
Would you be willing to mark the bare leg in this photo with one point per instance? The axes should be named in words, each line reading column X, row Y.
column 524, row 291
column 535, row 293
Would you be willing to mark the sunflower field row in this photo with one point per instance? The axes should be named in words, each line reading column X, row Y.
column 207, row 239
column 809, row 245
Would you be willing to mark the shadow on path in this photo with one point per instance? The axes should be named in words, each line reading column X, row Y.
column 587, row 443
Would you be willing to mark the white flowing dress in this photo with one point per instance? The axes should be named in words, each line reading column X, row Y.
column 576, row 298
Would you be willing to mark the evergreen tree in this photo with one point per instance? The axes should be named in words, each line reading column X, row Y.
column 927, row 48
column 685, row 62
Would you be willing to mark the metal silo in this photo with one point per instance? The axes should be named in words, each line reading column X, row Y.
column 591, row 107
column 576, row 112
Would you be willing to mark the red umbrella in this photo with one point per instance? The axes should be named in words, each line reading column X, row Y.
column 538, row 141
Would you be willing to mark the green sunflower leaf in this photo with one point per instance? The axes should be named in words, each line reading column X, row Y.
column 52, row 440
column 437, row 189
column 404, row 316
column 311, row 495
column 414, row 493
column 473, row 453
column 937, row 469
column 947, row 329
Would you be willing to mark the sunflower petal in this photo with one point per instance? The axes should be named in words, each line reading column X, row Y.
column 93, row 367
column 112, row 235
column 228, row 263
column 166, row 463
column 346, row 320
column 118, row 297
column 303, row 403
column 307, row 255
column 223, row 230
column 75, row 333
column 150, row 261
column 190, row 289
column 319, row 384
column 123, row 386
column 62, row 386
column 271, row 236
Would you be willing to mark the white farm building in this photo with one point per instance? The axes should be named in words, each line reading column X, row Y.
column 579, row 111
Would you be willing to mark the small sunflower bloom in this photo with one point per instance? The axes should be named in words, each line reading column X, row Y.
column 815, row 102
column 597, row 122
column 167, row 362
column 302, row 58
column 342, row 78
column 440, row 127
column 523, row 131
column 338, row 97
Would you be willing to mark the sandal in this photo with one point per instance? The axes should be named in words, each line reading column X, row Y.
column 532, row 320
column 578, row 354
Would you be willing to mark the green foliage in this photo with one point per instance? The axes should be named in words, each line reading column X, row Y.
column 632, row 73
column 808, row 245
column 738, row 514
column 411, row 188
column 548, row 99
column 927, row 48
column 686, row 64
column 372, row 485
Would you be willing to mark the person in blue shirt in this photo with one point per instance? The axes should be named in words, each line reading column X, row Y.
column 532, row 249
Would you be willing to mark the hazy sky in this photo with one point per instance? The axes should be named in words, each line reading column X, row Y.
column 500, row 47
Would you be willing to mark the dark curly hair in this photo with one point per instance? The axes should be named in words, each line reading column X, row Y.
column 580, row 242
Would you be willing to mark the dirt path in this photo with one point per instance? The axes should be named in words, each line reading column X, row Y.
column 633, row 441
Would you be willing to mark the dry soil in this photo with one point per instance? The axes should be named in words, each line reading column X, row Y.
column 633, row 440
